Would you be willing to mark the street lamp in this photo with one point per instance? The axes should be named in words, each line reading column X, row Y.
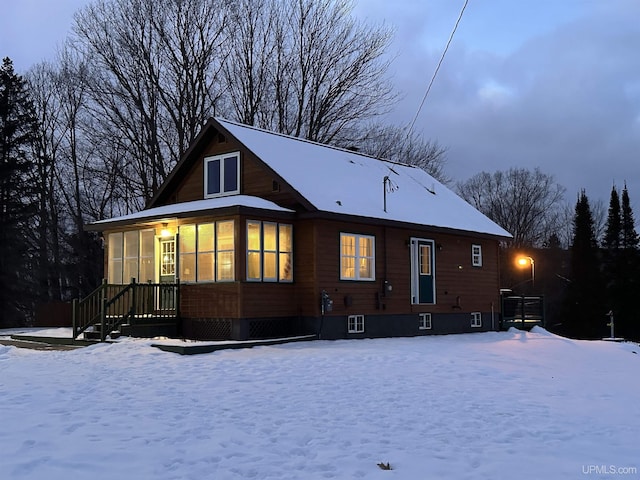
column 523, row 262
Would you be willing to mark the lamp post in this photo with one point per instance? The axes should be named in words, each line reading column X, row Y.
column 523, row 262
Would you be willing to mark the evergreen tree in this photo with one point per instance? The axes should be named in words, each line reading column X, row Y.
column 612, row 255
column 628, row 273
column 18, row 129
column 584, row 314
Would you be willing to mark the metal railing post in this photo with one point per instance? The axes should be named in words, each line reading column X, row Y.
column 74, row 315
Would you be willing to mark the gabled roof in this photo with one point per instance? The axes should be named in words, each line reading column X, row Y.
column 331, row 180
column 344, row 182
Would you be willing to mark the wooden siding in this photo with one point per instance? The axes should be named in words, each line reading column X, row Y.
column 256, row 179
column 210, row 300
column 459, row 286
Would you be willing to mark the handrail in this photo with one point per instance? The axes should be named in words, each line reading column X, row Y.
column 113, row 305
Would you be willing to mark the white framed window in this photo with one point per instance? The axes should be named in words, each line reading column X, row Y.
column 222, row 175
column 225, row 251
column 424, row 322
column 476, row 319
column 476, row 255
column 187, row 249
column 357, row 257
column 201, row 245
column 355, row 323
column 269, row 251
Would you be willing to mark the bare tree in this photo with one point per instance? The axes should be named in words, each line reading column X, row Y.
column 528, row 204
column 393, row 143
column 335, row 76
column 305, row 67
column 155, row 79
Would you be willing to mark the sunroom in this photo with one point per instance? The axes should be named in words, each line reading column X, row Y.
column 215, row 251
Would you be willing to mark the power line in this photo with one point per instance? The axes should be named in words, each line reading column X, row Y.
column 435, row 73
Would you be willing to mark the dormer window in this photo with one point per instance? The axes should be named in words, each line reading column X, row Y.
column 222, row 175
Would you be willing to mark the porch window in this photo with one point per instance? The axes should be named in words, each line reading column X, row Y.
column 476, row 255
column 147, row 256
column 131, row 255
column 197, row 251
column 187, row 249
column 222, row 175
column 357, row 257
column 115, row 252
column 269, row 250
column 206, row 252
column 225, row 251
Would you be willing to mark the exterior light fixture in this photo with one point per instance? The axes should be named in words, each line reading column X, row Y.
column 523, row 261
column 165, row 232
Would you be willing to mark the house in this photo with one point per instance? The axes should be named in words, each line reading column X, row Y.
column 260, row 235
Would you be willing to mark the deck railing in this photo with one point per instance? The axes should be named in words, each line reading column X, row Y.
column 110, row 306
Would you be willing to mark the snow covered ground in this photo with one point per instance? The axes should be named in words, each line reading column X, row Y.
column 481, row 406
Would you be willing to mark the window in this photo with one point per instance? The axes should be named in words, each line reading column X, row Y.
column 424, row 321
column 355, row 323
column 187, row 249
column 476, row 319
column 114, row 273
column 147, row 256
column 357, row 257
column 222, row 175
column 206, row 252
column 225, row 251
column 200, row 245
column 269, row 250
column 476, row 255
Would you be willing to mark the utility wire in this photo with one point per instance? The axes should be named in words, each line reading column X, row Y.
column 435, row 73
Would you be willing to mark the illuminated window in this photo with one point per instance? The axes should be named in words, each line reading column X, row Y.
column 115, row 250
column 147, row 256
column 225, row 251
column 187, row 249
column 269, row 251
column 357, row 257
column 476, row 255
column 424, row 322
column 222, row 175
column 355, row 323
column 476, row 319
column 206, row 253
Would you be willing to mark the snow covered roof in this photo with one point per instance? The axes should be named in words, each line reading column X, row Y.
column 345, row 182
column 195, row 207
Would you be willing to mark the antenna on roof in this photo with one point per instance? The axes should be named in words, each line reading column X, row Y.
column 387, row 183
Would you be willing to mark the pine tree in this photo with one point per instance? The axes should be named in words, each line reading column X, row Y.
column 612, row 255
column 584, row 314
column 628, row 272
column 18, row 128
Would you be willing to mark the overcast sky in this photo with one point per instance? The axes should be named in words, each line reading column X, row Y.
column 553, row 84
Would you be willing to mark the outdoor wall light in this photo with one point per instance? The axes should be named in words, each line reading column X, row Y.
column 165, row 232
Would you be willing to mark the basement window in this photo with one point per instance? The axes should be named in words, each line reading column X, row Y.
column 476, row 319
column 222, row 175
column 424, row 322
column 355, row 324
